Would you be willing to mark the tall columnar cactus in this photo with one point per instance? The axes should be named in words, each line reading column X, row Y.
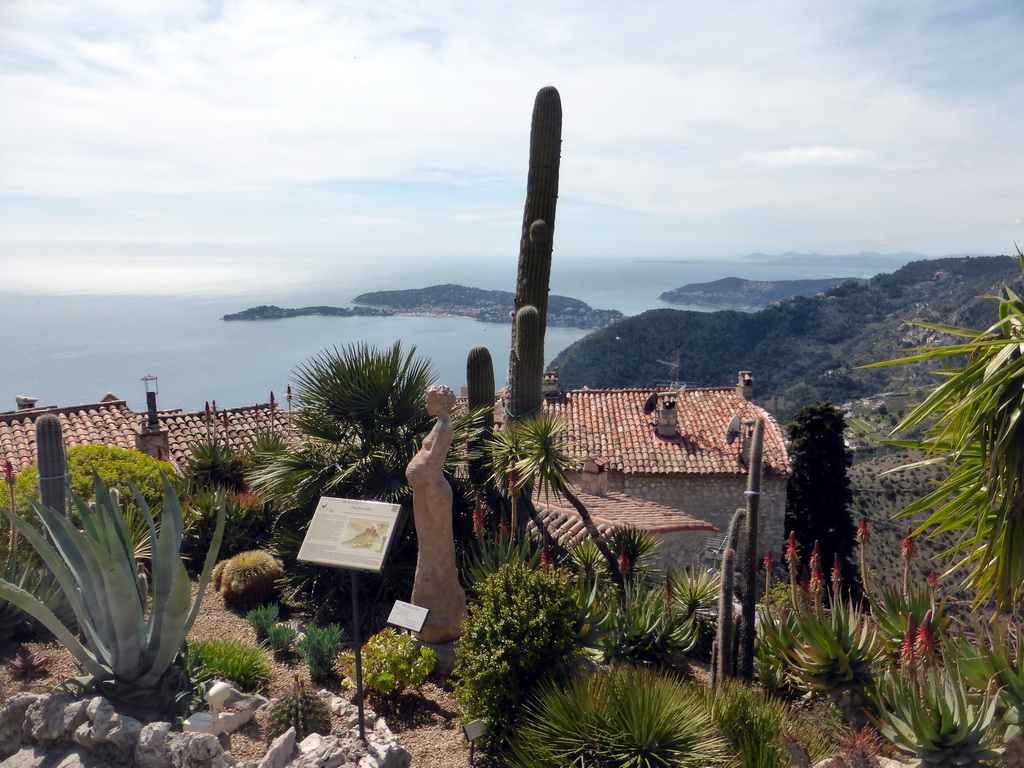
column 745, row 660
column 524, row 395
column 480, row 392
column 52, row 463
column 725, row 641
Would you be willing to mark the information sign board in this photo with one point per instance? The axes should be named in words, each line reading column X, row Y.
column 350, row 533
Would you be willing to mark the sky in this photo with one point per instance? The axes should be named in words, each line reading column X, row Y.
column 203, row 139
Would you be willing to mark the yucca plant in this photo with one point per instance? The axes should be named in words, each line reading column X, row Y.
column 694, row 593
column 131, row 655
column 485, row 558
column 833, row 654
column 624, row 717
column 934, row 722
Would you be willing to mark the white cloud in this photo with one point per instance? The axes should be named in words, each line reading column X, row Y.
column 807, row 157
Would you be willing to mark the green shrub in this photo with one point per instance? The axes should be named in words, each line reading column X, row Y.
column 281, row 637
column 625, row 717
column 263, row 618
column 319, row 648
column 244, row 664
column 753, row 723
column 518, row 635
column 392, row 661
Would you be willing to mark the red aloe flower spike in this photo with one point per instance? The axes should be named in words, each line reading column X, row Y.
column 926, row 643
column 288, row 394
column 478, row 520
column 545, row 553
column 668, row 588
column 933, row 581
column 513, row 481
column 503, row 525
column 9, row 473
column 909, row 546
column 792, row 552
column 215, row 407
column 273, row 402
column 816, row 555
column 837, row 571
column 624, row 563
column 908, row 654
column 863, row 533
column 769, row 560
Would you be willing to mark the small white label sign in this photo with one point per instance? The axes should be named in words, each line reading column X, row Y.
column 474, row 730
column 408, row 616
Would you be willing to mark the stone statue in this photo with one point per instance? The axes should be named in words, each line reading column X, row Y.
column 437, row 585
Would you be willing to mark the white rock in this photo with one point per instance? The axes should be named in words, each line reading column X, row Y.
column 280, row 751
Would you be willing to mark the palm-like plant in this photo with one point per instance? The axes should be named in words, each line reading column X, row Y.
column 533, row 451
column 978, row 433
column 130, row 654
column 361, row 413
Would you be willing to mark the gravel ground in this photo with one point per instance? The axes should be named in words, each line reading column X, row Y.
column 426, row 721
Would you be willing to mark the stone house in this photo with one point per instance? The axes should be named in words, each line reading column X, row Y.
column 672, row 448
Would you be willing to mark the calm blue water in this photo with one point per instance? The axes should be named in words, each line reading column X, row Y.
column 70, row 348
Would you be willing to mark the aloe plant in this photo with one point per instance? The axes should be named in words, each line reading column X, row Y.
column 131, row 655
column 833, row 654
column 934, row 721
column 893, row 609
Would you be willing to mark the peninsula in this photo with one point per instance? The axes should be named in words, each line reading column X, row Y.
column 270, row 312
column 748, row 295
column 486, row 306
column 445, row 301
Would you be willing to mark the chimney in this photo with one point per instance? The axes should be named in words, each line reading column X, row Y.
column 594, row 477
column 152, row 437
column 25, row 403
column 667, row 414
column 549, row 385
column 745, row 385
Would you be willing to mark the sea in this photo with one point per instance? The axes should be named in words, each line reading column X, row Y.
column 74, row 340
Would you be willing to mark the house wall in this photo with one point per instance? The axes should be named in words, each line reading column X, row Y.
column 713, row 499
column 680, row 549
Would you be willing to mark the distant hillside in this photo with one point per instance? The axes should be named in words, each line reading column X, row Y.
column 748, row 295
column 488, row 306
column 802, row 349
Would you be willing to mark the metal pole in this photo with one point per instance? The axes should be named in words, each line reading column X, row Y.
column 359, row 653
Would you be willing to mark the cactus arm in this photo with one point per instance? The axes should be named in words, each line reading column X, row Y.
column 745, row 663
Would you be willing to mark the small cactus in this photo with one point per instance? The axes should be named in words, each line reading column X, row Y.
column 300, row 709
column 248, row 579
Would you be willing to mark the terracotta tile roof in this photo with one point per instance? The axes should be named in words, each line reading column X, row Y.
column 614, row 510
column 109, row 422
column 611, row 424
column 243, row 426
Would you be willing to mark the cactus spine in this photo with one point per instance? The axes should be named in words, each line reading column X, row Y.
column 52, row 463
column 300, row 709
column 524, row 395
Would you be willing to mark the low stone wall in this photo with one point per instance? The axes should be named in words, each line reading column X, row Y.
column 39, row 730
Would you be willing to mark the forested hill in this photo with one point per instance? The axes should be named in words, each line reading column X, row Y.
column 803, row 349
column 488, row 306
column 748, row 295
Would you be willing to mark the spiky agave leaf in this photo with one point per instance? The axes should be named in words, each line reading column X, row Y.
column 125, row 646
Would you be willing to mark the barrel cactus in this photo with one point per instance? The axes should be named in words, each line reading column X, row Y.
column 299, row 709
column 248, row 579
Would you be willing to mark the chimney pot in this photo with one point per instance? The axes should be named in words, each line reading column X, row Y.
column 25, row 403
column 745, row 385
column 667, row 414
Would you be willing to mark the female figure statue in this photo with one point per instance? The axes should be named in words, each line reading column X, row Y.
column 437, row 585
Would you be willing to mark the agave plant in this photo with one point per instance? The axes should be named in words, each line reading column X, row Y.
column 997, row 656
column 130, row 655
column 934, row 722
column 833, row 654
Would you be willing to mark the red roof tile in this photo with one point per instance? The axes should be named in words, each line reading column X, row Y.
column 611, row 424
